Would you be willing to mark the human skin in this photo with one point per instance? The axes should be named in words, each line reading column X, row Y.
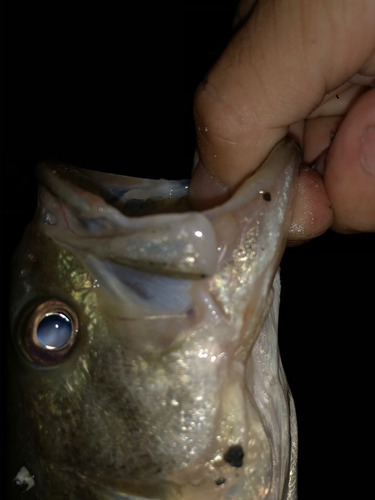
column 303, row 68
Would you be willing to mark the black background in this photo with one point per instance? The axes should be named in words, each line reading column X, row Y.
column 113, row 91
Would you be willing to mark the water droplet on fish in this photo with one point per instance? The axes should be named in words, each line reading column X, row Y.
column 49, row 218
column 202, row 353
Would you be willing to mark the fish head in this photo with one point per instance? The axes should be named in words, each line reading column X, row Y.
column 144, row 338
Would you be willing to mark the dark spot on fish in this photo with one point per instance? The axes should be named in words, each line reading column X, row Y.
column 190, row 313
column 20, row 485
column 234, row 455
column 267, row 196
column 220, row 481
column 337, row 97
column 330, row 206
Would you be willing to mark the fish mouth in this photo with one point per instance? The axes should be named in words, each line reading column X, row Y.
column 90, row 206
column 190, row 304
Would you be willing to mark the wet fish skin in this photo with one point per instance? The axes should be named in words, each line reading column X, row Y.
column 163, row 302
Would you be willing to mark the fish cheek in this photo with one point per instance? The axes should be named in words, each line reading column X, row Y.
column 54, row 380
column 54, row 400
column 84, row 404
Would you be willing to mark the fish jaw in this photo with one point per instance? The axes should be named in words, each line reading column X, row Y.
column 176, row 362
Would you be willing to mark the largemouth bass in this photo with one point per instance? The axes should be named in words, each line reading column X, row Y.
column 145, row 341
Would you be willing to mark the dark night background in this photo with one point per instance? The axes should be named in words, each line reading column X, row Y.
column 114, row 93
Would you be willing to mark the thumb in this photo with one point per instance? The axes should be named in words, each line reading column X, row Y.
column 275, row 71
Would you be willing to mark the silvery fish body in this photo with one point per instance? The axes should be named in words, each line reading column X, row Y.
column 145, row 341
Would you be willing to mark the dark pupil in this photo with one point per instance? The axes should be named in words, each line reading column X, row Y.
column 54, row 331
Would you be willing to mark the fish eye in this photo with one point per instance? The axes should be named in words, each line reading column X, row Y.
column 49, row 333
column 54, row 330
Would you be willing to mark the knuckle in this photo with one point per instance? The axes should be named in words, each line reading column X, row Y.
column 220, row 114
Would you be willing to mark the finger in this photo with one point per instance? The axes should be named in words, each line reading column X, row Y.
column 318, row 135
column 337, row 102
column 275, row 72
column 312, row 214
column 243, row 12
column 349, row 174
column 296, row 132
column 322, row 124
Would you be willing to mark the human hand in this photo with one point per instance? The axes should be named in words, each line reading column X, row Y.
column 309, row 64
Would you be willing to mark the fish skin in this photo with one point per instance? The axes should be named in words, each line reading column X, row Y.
column 80, row 427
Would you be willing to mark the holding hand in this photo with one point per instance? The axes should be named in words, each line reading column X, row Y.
column 305, row 68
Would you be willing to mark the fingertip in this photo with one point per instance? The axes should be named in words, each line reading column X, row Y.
column 312, row 214
column 350, row 182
